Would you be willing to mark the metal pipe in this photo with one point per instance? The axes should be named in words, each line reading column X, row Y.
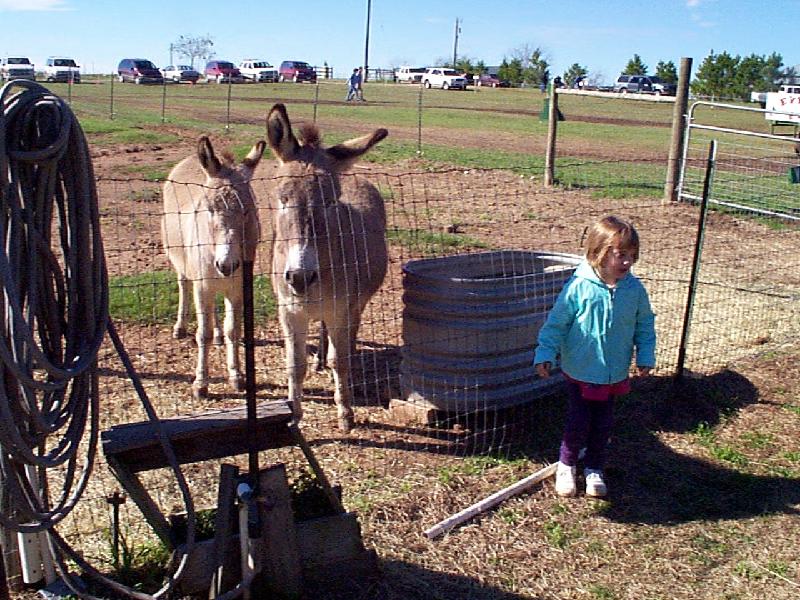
column 248, row 320
column 698, row 251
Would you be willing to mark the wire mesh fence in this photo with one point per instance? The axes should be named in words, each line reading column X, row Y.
column 395, row 467
column 743, row 307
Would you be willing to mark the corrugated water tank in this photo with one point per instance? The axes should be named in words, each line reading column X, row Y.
column 470, row 324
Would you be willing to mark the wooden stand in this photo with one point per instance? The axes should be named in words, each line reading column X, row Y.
column 287, row 553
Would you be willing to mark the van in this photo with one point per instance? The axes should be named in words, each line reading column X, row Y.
column 138, row 70
column 296, row 71
column 222, row 71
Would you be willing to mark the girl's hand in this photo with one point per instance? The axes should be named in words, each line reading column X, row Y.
column 543, row 370
column 643, row 371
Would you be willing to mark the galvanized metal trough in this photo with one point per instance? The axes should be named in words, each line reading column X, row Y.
column 470, row 324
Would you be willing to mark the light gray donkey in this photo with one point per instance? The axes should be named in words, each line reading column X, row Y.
column 329, row 251
column 210, row 225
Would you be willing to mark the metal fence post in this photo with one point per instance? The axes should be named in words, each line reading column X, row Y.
column 419, row 119
column 678, row 129
column 552, row 129
column 228, row 113
column 164, row 101
column 696, row 259
column 316, row 100
column 112, row 98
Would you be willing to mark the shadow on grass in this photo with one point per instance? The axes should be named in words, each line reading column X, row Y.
column 652, row 483
column 398, row 580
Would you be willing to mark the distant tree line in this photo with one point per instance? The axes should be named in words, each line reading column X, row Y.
column 726, row 76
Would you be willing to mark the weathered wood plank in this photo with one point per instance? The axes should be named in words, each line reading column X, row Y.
column 200, row 437
column 280, row 560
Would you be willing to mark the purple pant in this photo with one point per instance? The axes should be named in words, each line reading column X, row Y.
column 588, row 425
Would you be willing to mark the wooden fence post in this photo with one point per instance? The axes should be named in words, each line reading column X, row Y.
column 678, row 131
column 552, row 125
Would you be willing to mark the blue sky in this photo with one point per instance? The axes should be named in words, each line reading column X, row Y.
column 600, row 35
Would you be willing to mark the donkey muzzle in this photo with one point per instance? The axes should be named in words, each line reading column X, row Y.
column 299, row 280
column 226, row 268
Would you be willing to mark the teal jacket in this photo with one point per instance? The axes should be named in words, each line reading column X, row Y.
column 595, row 329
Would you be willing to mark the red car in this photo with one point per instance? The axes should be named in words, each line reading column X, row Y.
column 491, row 81
column 222, row 71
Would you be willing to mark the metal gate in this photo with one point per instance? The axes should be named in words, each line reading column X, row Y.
column 745, row 289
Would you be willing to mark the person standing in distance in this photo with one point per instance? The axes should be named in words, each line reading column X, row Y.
column 354, row 83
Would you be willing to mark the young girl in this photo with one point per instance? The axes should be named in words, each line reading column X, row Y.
column 602, row 315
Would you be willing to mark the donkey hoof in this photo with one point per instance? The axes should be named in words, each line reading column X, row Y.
column 199, row 391
column 346, row 423
column 179, row 333
column 236, row 383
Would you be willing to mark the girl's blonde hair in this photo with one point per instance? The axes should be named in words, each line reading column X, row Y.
column 608, row 233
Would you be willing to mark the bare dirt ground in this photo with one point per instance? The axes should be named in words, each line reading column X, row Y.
column 705, row 476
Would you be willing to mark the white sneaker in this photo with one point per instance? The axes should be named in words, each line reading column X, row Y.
column 565, row 480
column 595, row 485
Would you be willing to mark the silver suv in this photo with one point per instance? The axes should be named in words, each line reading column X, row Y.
column 647, row 84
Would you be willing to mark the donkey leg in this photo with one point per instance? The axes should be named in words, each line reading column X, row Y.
column 219, row 336
column 295, row 333
column 204, row 308
column 179, row 330
column 341, row 342
column 233, row 325
column 322, row 348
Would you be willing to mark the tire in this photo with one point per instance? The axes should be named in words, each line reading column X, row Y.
column 218, row 79
column 121, row 78
column 657, row 92
column 281, row 79
column 494, row 85
column 138, row 81
column 427, row 84
column 295, row 79
column 624, row 90
column 445, row 85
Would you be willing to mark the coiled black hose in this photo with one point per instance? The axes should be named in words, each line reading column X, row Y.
column 54, row 306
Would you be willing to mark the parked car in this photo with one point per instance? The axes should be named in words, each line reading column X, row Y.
column 409, row 74
column 138, row 70
column 61, row 68
column 296, row 71
column 222, row 71
column 179, row 73
column 647, row 84
column 490, row 80
column 258, row 70
column 16, row 67
column 444, row 78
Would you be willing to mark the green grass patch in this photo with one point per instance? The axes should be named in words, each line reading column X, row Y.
column 428, row 243
column 152, row 298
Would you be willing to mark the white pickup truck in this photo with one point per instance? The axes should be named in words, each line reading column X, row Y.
column 16, row 67
column 447, row 79
column 61, row 68
column 258, row 71
column 408, row 74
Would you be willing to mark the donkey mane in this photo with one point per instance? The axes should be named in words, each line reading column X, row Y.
column 310, row 136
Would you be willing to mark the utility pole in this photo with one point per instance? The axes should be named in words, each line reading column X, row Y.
column 171, row 48
column 366, row 43
column 455, row 44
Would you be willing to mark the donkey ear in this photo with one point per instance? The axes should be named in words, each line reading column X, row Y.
column 348, row 152
column 254, row 156
column 208, row 160
column 280, row 136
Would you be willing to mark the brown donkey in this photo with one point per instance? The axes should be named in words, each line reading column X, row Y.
column 329, row 249
column 210, row 225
